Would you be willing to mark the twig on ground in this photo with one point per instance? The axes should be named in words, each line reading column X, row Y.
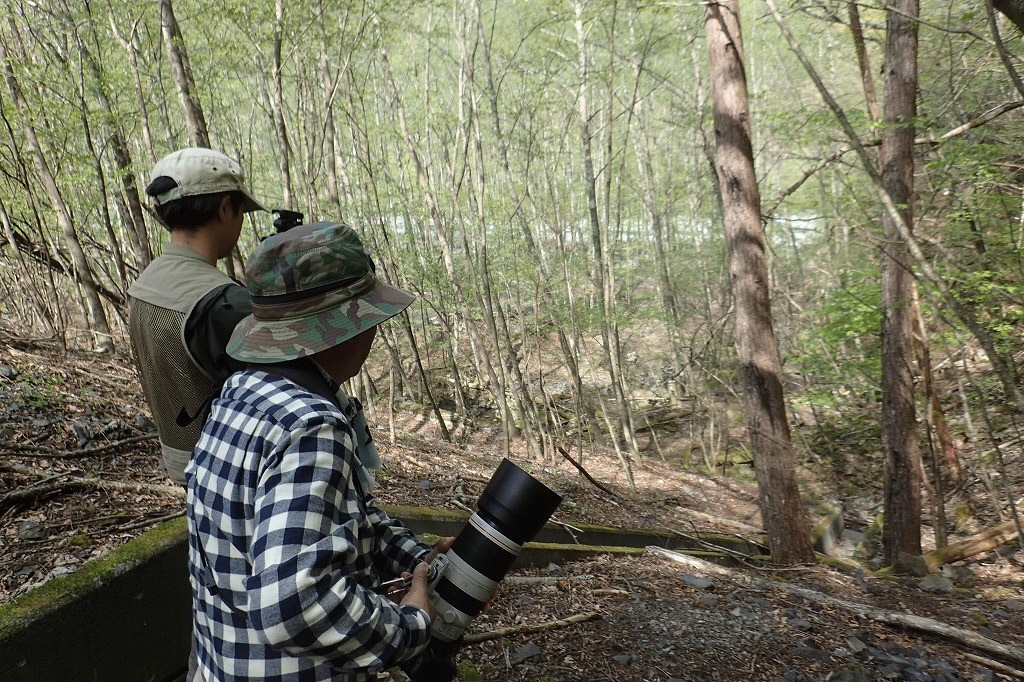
column 995, row 665
column 19, row 450
column 152, row 521
column 478, row 637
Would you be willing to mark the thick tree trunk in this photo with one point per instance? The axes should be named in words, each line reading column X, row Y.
column 759, row 359
column 900, row 436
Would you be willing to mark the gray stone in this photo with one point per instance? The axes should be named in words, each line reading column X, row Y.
column 760, row 602
column 82, row 433
column 1014, row 605
column 145, row 422
column 910, row 564
column 936, row 583
column 957, row 573
column 424, row 484
column 696, row 582
column 799, row 624
column 892, row 671
column 812, row 653
column 30, row 530
column 708, row 600
column 527, row 653
column 742, row 612
column 624, row 659
column 554, row 568
column 855, row 645
column 7, row 372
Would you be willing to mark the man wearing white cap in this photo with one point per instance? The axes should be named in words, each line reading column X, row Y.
column 182, row 308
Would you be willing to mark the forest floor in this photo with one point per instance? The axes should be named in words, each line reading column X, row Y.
column 655, row 619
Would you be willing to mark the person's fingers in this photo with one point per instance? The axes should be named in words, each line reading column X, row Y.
column 490, row 600
column 442, row 546
column 418, row 594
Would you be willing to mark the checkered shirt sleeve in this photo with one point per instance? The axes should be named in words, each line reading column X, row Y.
column 285, row 550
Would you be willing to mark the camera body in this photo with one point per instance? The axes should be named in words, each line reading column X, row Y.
column 512, row 509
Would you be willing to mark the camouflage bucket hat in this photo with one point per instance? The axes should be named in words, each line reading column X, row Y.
column 313, row 287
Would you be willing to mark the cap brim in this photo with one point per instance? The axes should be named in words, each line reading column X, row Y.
column 251, row 204
column 265, row 341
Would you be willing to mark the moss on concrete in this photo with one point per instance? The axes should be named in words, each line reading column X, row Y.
column 18, row 613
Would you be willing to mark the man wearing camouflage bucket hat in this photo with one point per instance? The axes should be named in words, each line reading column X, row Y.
column 287, row 548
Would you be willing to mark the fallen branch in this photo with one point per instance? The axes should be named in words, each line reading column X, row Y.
column 995, row 665
column 906, row 620
column 586, row 474
column 909, row 620
column 997, row 536
column 20, row 450
column 478, row 637
column 33, row 492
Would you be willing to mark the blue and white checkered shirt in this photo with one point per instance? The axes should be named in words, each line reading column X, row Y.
column 285, row 549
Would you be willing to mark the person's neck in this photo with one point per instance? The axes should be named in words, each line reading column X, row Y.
column 199, row 241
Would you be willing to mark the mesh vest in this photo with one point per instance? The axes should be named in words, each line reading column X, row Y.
column 160, row 302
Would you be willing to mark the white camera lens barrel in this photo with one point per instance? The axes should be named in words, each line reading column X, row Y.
column 512, row 509
column 472, row 568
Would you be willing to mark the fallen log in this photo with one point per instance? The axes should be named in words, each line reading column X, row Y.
column 907, row 620
column 994, row 537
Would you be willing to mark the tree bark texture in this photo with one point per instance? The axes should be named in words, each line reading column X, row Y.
column 759, row 359
column 900, row 437
column 181, row 70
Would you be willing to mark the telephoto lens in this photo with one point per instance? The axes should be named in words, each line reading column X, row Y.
column 512, row 509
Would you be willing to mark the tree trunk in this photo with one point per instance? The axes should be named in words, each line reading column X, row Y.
column 181, row 71
column 760, row 367
column 870, row 96
column 135, row 226
column 277, row 107
column 900, row 436
column 95, row 316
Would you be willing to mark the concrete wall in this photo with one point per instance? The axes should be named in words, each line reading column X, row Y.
column 125, row 617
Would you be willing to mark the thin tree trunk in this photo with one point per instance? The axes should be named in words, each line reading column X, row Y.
column 130, row 45
column 446, row 252
column 181, row 71
column 277, row 107
column 136, row 226
column 92, row 310
column 767, row 422
column 868, row 81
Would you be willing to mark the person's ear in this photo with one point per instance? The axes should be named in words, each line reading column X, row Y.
column 226, row 210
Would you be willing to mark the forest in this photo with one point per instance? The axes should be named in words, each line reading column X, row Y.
column 773, row 242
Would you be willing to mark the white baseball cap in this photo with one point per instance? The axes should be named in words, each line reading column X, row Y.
column 196, row 171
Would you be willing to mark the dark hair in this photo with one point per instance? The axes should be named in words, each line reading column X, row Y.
column 188, row 213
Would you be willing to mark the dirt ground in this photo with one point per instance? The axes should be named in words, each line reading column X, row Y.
column 79, row 475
